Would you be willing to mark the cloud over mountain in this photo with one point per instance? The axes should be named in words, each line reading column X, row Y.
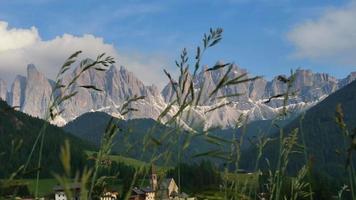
column 20, row 47
column 16, row 38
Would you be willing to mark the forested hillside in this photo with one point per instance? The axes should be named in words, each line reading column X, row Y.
column 18, row 132
column 325, row 143
column 135, row 133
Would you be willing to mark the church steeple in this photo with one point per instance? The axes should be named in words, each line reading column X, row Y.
column 153, row 178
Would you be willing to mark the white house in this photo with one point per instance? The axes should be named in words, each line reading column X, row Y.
column 109, row 196
column 59, row 193
column 168, row 189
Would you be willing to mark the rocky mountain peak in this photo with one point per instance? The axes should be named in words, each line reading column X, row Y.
column 3, row 90
column 352, row 74
column 33, row 73
column 123, row 69
column 351, row 77
column 31, row 68
column 17, row 93
column 37, row 93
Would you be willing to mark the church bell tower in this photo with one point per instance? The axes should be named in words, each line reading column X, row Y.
column 153, row 178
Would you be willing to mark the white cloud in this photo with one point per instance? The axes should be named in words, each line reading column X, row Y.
column 24, row 46
column 16, row 38
column 148, row 68
column 330, row 37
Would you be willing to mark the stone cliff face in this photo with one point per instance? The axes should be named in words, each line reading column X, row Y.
column 351, row 77
column 310, row 87
column 117, row 84
column 32, row 94
column 17, row 93
column 3, row 90
column 37, row 93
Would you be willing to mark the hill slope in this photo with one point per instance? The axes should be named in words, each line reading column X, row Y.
column 19, row 128
column 323, row 137
column 130, row 139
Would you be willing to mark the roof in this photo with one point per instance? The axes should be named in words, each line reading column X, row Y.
column 147, row 190
column 141, row 191
column 72, row 186
column 242, row 171
column 110, row 194
column 165, row 183
column 137, row 191
column 183, row 195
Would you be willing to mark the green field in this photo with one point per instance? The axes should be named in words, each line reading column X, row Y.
column 211, row 194
column 244, row 184
column 216, row 194
column 132, row 162
column 45, row 185
column 248, row 180
column 128, row 161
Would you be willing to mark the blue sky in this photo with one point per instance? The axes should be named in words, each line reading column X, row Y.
column 267, row 37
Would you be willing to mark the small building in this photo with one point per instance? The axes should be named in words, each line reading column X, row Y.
column 137, row 194
column 168, row 189
column 149, row 193
column 59, row 192
column 109, row 195
column 143, row 194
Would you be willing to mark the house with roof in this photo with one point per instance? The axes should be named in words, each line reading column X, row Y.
column 168, row 189
column 143, row 194
column 109, row 195
column 59, row 192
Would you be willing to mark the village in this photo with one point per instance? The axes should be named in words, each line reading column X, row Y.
column 158, row 189
column 166, row 189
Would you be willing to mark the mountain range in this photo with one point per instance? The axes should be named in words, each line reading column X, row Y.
column 31, row 94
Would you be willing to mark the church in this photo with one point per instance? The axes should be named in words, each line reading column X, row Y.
column 164, row 189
